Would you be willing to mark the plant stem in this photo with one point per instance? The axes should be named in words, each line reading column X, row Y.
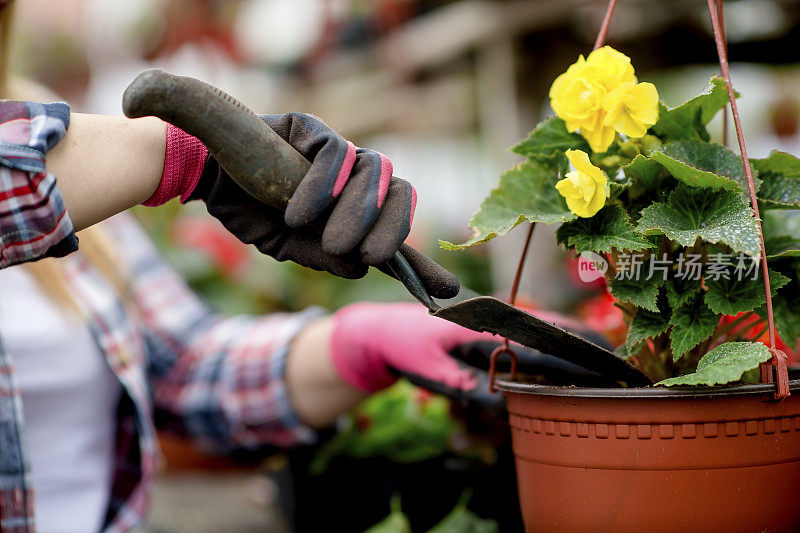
column 722, row 52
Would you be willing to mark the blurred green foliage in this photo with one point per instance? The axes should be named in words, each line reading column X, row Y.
column 200, row 249
column 403, row 423
column 459, row 520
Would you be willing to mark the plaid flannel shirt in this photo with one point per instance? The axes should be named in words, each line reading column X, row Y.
column 180, row 365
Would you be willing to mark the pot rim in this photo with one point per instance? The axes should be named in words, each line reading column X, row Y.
column 507, row 385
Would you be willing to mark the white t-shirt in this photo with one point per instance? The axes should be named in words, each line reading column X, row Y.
column 69, row 397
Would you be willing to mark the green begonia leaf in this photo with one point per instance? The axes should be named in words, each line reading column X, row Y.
column 779, row 192
column 680, row 289
column 641, row 290
column 780, row 163
column 724, row 364
column 618, row 183
column 645, row 325
column 702, row 164
column 780, row 173
column 644, row 170
column 549, row 140
column 607, row 230
column 688, row 120
column 525, row 192
column 718, row 217
column 733, row 296
column 692, row 323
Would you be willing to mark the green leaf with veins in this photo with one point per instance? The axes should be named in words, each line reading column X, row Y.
column 641, row 291
column 643, row 170
column 707, row 165
column 686, row 125
column 780, row 173
column 618, row 183
column 525, row 192
column 549, row 140
column 607, row 230
column 780, row 163
column 646, row 325
column 733, row 296
column 692, row 323
column 718, row 217
column 724, row 364
column 680, row 290
column 688, row 120
column 778, row 192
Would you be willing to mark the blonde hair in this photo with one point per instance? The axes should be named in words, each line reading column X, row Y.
column 95, row 245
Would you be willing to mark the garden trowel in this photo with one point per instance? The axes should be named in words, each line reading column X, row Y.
column 271, row 173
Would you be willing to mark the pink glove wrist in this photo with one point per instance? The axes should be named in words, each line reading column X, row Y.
column 184, row 159
column 369, row 340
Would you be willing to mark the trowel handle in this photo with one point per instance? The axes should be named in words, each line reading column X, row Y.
column 271, row 172
column 252, row 154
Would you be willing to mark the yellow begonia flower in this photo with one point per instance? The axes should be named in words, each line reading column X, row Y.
column 576, row 98
column 600, row 96
column 600, row 138
column 575, row 71
column 631, row 109
column 613, row 68
column 581, row 105
column 586, row 187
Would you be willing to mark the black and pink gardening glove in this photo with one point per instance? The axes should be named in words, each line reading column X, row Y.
column 367, row 212
column 374, row 344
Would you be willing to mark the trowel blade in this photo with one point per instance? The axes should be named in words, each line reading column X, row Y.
column 485, row 313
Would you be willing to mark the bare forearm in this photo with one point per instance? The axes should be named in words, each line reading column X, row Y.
column 107, row 164
column 318, row 394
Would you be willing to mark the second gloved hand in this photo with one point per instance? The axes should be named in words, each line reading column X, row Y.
column 374, row 344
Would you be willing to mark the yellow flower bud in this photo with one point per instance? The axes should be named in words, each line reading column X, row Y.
column 631, row 109
column 585, row 188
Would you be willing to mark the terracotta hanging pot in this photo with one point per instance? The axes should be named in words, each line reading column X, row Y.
column 607, row 460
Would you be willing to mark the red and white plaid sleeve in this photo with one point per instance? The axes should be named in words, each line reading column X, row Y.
column 215, row 378
column 33, row 219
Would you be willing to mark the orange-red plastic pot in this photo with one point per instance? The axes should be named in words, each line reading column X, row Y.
column 607, row 460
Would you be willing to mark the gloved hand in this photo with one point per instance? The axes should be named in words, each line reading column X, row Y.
column 369, row 213
column 374, row 344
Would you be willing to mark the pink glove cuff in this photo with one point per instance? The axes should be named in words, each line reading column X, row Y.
column 184, row 160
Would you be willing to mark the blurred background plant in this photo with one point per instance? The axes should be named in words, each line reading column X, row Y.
column 444, row 87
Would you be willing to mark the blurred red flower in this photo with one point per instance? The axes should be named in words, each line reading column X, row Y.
column 209, row 236
column 754, row 329
column 600, row 314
